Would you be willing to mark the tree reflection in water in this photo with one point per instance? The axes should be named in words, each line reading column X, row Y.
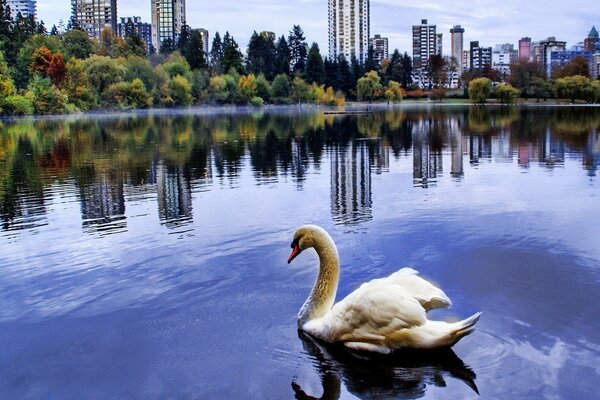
column 402, row 375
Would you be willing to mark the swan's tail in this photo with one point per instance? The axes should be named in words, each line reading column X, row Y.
column 462, row 328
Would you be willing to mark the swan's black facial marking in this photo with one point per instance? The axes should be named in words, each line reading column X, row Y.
column 295, row 249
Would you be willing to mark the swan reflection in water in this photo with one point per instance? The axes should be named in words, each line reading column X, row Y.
column 402, row 375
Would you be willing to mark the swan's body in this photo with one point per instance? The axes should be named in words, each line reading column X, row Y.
column 382, row 315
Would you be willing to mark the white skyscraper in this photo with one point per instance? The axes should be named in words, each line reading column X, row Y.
column 25, row 7
column 349, row 26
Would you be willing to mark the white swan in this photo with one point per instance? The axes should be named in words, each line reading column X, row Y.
column 382, row 315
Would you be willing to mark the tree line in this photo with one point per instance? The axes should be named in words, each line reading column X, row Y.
column 58, row 71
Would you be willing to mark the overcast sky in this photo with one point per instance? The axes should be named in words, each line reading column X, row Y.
column 490, row 22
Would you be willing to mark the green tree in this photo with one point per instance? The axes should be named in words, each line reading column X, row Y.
column 261, row 53
column 283, row 57
column 216, row 54
column 368, row 86
column 103, row 71
column 135, row 45
column 195, row 52
column 480, row 89
column 539, row 88
column 506, row 93
column 181, row 91
column 167, row 46
column 127, row 95
column 572, row 87
column 300, row 90
column 183, row 41
column 298, row 50
column 315, row 69
column 78, row 86
column 175, row 65
column 393, row 92
column 140, row 67
column 370, row 63
column 7, row 86
column 345, row 80
column 263, row 88
column 280, row 88
column 218, row 89
column 232, row 56
column 76, row 43
column 46, row 98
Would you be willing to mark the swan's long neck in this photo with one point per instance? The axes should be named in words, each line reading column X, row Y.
column 322, row 296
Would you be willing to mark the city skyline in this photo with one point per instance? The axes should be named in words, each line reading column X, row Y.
column 485, row 21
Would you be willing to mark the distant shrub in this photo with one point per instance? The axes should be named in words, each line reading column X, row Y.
column 257, row 101
column 17, row 105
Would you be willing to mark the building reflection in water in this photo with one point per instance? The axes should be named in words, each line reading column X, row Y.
column 351, row 183
column 103, row 203
column 591, row 157
column 174, row 195
column 553, row 150
column 457, row 146
column 427, row 159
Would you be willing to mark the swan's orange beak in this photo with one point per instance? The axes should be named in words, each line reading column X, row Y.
column 295, row 252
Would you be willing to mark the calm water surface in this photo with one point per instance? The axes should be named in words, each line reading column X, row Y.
column 145, row 256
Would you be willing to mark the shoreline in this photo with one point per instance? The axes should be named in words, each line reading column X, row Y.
column 351, row 108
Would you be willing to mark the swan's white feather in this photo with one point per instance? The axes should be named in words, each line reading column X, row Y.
column 382, row 315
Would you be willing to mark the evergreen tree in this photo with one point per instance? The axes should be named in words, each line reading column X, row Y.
column 261, row 53
column 136, row 45
column 370, row 63
column 167, row 46
column 331, row 73
column 73, row 23
column 194, row 53
column 232, row 56
column 54, row 31
column 216, row 54
column 346, row 81
column 298, row 49
column 283, row 57
column 41, row 28
column 184, row 39
column 394, row 67
column 315, row 70
column 406, row 81
column 6, row 24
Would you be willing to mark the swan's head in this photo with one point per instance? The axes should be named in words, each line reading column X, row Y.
column 305, row 238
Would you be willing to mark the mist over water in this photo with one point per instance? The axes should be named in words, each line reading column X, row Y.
column 144, row 255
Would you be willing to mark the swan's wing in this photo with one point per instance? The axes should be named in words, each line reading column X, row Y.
column 373, row 312
column 423, row 291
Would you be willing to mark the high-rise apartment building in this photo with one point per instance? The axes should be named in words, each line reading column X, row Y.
column 525, row 49
column 480, row 56
column 502, row 56
column 349, row 28
column 456, row 44
column 25, row 7
column 135, row 25
column 168, row 16
column 544, row 52
column 380, row 48
column 95, row 15
column 425, row 44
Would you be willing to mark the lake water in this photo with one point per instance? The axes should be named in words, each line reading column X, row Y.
column 144, row 256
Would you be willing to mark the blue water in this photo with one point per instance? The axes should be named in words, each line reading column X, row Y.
column 144, row 256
